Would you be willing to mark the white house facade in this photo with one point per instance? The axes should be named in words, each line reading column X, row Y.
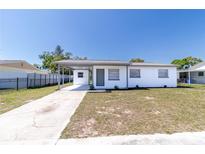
column 150, row 76
column 81, row 77
column 120, row 74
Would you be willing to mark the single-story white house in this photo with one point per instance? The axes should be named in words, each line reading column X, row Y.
column 194, row 74
column 109, row 74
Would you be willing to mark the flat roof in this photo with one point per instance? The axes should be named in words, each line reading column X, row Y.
column 108, row 62
column 152, row 64
column 91, row 62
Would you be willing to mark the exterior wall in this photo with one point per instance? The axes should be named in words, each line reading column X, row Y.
column 197, row 79
column 110, row 84
column 6, row 72
column 81, row 81
column 149, row 77
column 178, row 76
column 8, row 77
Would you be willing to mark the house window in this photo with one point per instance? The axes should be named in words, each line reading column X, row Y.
column 163, row 73
column 113, row 74
column 134, row 73
column 200, row 73
column 80, row 74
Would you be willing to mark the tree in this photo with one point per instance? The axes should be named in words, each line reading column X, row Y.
column 79, row 58
column 186, row 61
column 48, row 58
column 37, row 66
column 137, row 60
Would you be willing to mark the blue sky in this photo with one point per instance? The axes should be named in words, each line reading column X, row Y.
column 154, row 35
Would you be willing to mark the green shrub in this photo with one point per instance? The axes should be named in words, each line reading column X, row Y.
column 92, row 87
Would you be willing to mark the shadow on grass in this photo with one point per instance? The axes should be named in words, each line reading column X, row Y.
column 139, row 88
column 185, row 87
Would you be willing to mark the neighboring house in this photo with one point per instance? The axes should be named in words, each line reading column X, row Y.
column 17, row 68
column 107, row 74
column 10, row 70
column 194, row 74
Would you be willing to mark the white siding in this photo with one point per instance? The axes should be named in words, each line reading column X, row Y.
column 8, row 77
column 110, row 84
column 149, row 77
column 80, row 81
column 6, row 73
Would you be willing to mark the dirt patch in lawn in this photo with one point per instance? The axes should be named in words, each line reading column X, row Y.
column 157, row 110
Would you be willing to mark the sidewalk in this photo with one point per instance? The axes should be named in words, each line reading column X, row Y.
column 186, row 138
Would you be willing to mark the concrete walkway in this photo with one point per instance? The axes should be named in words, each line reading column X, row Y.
column 41, row 121
column 186, row 138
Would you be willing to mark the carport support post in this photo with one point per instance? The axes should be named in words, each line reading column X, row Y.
column 69, row 76
column 63, row 75
column 59, row 77
column 189, row 76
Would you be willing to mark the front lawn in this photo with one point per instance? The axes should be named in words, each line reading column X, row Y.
column 10, row 99
column 145, row 111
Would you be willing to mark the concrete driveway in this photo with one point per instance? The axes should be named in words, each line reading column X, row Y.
column 41, row 121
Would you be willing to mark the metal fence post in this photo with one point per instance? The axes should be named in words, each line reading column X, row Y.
column 27, row 81
column 45, row 79
column 40, row 80
column 49, row 79
column 53, row 80
column 34, row 82
column 17, row 83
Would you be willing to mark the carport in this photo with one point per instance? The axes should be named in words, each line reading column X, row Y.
column 82, row 69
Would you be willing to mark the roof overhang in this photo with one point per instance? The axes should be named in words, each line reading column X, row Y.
column 152, row 65
column 89, row 63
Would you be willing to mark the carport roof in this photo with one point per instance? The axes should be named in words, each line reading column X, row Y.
column 91, row 62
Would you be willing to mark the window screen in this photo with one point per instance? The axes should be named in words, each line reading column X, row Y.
column 80, row 74
column 163, row 73
column 134, row 73
column 113, row 74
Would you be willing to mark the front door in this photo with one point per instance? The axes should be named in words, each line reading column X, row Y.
column 100, row 77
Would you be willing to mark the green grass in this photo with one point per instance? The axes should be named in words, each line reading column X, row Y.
column 10, row 99
column 145, row 111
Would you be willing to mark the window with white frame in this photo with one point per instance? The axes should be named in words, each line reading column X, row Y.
column 163, row 73
column 113, row 74
column 80, row 74
column 134, row 73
